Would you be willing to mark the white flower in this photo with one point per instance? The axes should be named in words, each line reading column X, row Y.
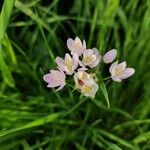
column 76, row 46
column 86, row 83
column 89, row 90
column 68, row 65
column 110, row 56
column 55, row 78
column 91, row 58
column 81, row 77
column 119, row 71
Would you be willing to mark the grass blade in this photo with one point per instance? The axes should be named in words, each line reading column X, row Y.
column 104, row 90
column 39, row 122
column 141, row 138
column 116, row 138
column 5, row 16
column 7, row 44
column 6, row 71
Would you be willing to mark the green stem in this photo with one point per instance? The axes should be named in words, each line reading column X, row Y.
column 75, row 107
column 106, row 78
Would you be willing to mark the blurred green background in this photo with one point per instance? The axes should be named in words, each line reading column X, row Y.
column 33, row 117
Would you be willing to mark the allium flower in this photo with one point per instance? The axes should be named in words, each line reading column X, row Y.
column 89, row 90
column 79, row 62
column 91, row 58
column 55, row 78
column 76, row 46
column 86, row 83
column 82, row 77
column 68, row 65
column 110, row 56
column 119, row 71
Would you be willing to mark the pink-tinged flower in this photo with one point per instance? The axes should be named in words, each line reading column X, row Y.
column 91, row 58
column 110, row 56
column 55, row 79
column 86, row 83
column 119, row 71
column 68, row 65
column 76, row 46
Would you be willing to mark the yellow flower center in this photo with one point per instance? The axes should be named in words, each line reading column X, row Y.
column 69, row 64
column 87, row 89
column 118, row 71
column 88, row 60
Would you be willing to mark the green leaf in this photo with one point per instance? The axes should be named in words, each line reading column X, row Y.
column 6, row 71
column 4, row 20
column 110, row 11
column 27, row 11
column 5, row 16
column 115, row 138
column 8, row 46
column 134, row 123
column 39, row 122
column 142, row 137
column 105, row 93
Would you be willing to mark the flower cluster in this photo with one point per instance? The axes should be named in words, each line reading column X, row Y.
column 79, row 64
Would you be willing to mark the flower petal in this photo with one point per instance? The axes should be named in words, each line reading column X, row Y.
column 127, row 73
column 116, row 79
column 67, row 56
column 61, row 87
column 76, row 46
column 75, row 61
column 122, row 65
column 63, row 75
column 95, row 51
column 82, row 69
column 96, row 87
column 55, row 78
column 110, row 56
column 84, row 45
column 47, row 77
column 70, row 43
column 113, row 66
column 81, row 64
column 78, row 41
column 91, row 58
column 89, row 90
column 59, row 60
column 50, row 80
column 60, row 63
column 96, row 62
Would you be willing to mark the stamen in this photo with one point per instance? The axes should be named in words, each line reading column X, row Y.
column 81, row 83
